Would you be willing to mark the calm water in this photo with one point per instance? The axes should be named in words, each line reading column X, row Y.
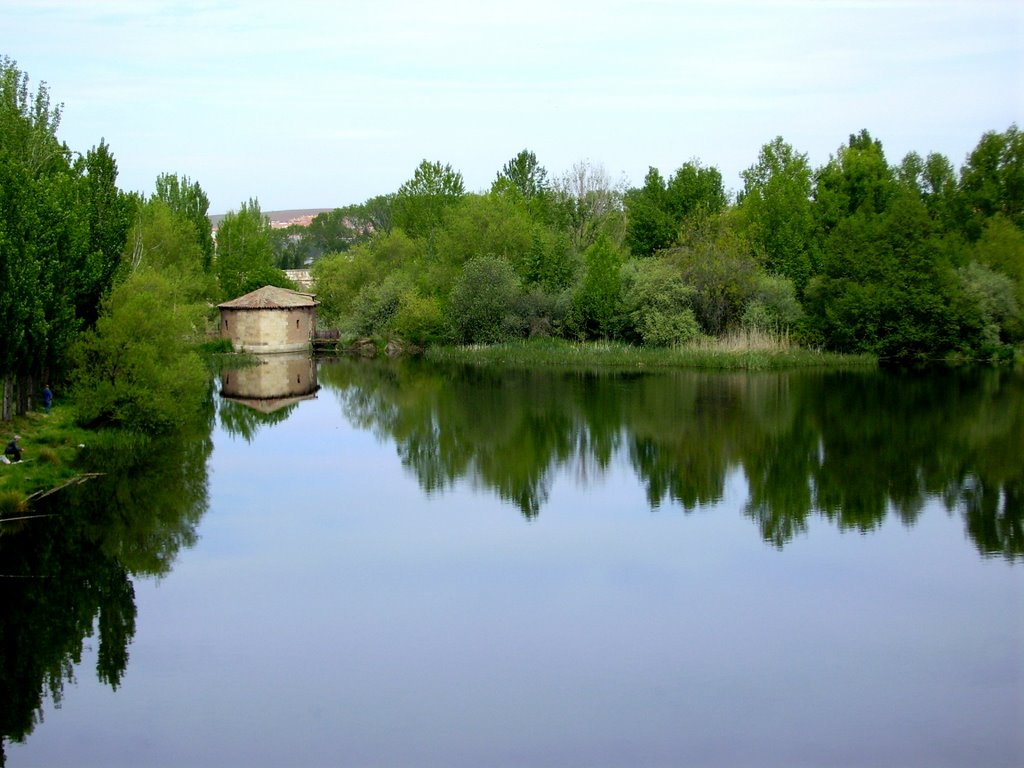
column 418, row 566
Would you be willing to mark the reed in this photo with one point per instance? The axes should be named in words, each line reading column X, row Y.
column 741, row 350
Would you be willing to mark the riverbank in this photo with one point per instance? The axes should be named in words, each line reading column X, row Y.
column 735, row 353
column 50, row 444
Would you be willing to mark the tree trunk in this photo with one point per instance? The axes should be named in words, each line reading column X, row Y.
column 26, row 390
column 8, row 392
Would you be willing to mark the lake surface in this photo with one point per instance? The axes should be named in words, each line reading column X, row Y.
column 396, row 564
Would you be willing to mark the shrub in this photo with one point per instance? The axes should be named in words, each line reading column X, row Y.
column 418, row 318
column 657, row 304
column 483, row 302
column 377, row 303
column 542, row 313
column 774, row 305
column 993, row 295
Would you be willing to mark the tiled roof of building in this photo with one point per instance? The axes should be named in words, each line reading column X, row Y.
column 271, row 297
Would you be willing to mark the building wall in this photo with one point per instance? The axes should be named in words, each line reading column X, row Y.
column 268, row 330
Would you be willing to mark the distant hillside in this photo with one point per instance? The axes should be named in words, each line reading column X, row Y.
column 282, row 218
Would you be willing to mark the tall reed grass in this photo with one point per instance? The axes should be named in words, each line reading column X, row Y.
column 740, row 350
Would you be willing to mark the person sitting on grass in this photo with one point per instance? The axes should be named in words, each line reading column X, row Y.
column 13, row 450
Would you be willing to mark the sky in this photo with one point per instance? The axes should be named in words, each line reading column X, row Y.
column 304, row 104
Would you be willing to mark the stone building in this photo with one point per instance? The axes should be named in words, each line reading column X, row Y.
column 269, row 319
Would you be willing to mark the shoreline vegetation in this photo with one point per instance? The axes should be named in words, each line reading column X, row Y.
column 738, row 351
column 50, row 448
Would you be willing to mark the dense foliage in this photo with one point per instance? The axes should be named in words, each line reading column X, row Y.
column 912, row 261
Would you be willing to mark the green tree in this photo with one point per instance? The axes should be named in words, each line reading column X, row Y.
column 595, row 301
column 776, row 213
column 61, row 229
column 993, row 294
column 292, row 247
column 188, row 201
column 245, row 252
column 717, row 264
column 488, row 225
column 423, row 202
column 773, row 306
column 650, row 226
column 992, row 180
column 659, row 211
column 1001, row 247
column 888, row 287
column 934, row 180
column 524, row 174
column 136, row 369
column 856, row 180
column 110, row 213
column 340, row 277
column 343, row 228
column 526, row 180
column 162, row 241
column 379, row 213
column 588, row 206
column 695, row 193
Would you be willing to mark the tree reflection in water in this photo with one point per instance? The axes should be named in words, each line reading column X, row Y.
column 848, row 447
column 68, row 573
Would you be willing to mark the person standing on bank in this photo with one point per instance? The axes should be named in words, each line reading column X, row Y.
column 47, row 397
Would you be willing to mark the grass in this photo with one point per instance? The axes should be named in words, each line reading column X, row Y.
column 741, row 350
column 50, row 445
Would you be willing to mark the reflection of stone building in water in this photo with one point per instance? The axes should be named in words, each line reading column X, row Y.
column 269, row 319
column 276, row 381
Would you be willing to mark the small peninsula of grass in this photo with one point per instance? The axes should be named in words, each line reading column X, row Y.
column 743, row 351
column 50, row 445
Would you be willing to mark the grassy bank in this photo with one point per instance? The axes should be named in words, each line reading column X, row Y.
column 741, row 351
column 50, row 445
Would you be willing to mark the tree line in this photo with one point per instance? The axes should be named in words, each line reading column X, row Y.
column 940, row 435
column 110, row 291
column 907, row 261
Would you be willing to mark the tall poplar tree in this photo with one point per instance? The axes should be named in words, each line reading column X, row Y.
column 62, row 228
column 245, row 252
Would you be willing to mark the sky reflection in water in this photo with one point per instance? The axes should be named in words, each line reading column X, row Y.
column 333, row 613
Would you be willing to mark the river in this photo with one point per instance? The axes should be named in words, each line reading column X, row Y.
column 399, row 564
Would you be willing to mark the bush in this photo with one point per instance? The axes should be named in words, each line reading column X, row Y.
column 542, row 313
column 483, row 302
column 774, row 305
column 657, row 304
column 724, row 276
column 418, row 319
column 993, row 294
column 377, row 303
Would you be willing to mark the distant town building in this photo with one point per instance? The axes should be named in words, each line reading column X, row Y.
column 301, row 277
